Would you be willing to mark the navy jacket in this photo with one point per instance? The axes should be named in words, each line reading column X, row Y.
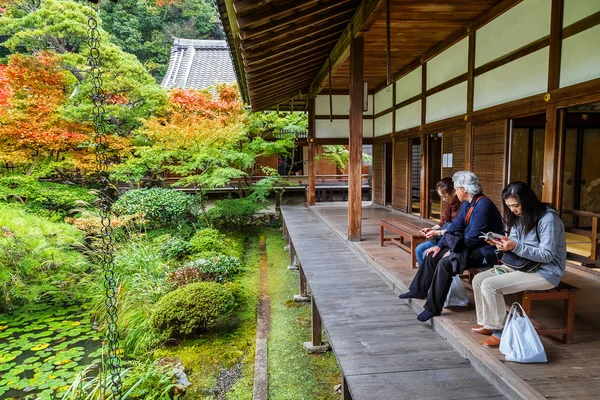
column 484, row 218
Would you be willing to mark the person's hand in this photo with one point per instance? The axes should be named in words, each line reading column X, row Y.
column 433, row 251
column 492, row 242
column 447, row 254
column 425, row 231
column 432, row 233
column 505, row 244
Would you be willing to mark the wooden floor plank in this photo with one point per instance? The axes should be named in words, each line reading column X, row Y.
column 384, row 352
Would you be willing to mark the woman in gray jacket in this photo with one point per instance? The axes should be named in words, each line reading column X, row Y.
column 536, row 234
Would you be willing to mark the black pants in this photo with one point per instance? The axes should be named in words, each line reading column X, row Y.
column 435, row 276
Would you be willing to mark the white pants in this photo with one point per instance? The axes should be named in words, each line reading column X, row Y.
column 489, row 290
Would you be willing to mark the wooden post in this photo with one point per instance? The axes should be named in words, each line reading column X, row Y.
column 471, row 73
column 388, row 43
column 303, row 285
column 355, row 141
column 555, row 50
column 468, row 146
column 346, row 395
column 317, row 336
column 550, row 155
column 310, row 194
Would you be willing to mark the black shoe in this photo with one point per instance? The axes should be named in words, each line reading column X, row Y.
column 410, row 295
column 425, row 316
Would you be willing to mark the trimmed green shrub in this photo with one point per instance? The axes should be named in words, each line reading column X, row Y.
column 192, row 308
column 52, row 200
column 160, row 206
column 216, row 269
column 233, row 212
column 209, row 243
column 173, row 247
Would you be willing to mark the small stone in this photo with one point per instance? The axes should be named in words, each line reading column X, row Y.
column 338, row 388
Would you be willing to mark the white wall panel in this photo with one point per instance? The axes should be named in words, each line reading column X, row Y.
column 447, row 103
column 368, row 128
column 383, row 125
column 408, row 116
column 580, row 58
column 409, row 85
column 521, row 78
column 449, row 64
column 338, row 128
column 383, row 99
column 523, row 24
column 341, row 104
column 576, row 10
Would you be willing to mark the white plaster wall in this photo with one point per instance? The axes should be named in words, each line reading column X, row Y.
column 383, row 125
column 408, row 116
column 367, row 128
column 447, row 103
column 449, row 64
column 409, row 85
column 576, row 10
column 521, row 78
column 580, row 57
column 523, row 24
column 383, row 99
column 341, row 104
column 338, row 128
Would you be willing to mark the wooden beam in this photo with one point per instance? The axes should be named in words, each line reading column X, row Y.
column 513, row 55
column 285, row 68
column 582, row 25
column 273, row 11
column 267, row 45
column 364, row 17
column 260, row 69
column 269, row 54
column 309, row 48
column 388, row 42
column 310, row 194
column 278, row 78
column 298, row 20
column 356, row 130
column 242, row 7
column 556, row 29
column 471, row 73
column 316, row 324
column 448, row 84
column 424, row 95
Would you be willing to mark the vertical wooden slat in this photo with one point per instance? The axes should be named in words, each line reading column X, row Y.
column 310, row 195
column 424, row 176
column 377, row 178
column 356, row 130
column 550, row 152
column 469, row 146
column 488, row 157
column 560, row 164
column 556, row 22
column 401, row 162
column 507, row 133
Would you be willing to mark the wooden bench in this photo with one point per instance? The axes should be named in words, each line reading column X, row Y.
column 563, row 291
column 591, row 233
column 407, row 231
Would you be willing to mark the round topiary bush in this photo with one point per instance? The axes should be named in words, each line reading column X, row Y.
column 209, row 243
column 192, row 308
column 160, row 206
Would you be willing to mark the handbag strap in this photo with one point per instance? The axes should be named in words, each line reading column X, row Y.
column 468, row 217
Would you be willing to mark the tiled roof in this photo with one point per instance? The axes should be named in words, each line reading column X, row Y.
column 198, row 64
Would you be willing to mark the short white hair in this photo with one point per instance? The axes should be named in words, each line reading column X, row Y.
column 467, row 180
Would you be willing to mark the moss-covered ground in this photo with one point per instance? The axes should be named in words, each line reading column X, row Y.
column 293, row 374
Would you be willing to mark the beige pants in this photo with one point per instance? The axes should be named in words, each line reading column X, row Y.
column 489, row 290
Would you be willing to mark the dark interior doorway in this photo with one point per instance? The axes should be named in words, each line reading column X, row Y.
column 389, row 156
column 415, row 176
column 527, row 139
column 434, row 174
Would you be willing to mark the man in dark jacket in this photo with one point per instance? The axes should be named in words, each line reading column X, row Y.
column 477, row 214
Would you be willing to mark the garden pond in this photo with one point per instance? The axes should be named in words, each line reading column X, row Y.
column 43, row 349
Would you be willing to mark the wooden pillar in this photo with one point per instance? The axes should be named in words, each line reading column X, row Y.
column 424, row 176
column 550, row 155
column 317, row 328
column 355, row 143
column 303, row 284
column 310, row 194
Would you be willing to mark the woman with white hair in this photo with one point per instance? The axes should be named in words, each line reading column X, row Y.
column 461, row 247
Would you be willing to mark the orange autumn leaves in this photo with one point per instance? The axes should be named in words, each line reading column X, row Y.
column 197, row 118
column 33, row 90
